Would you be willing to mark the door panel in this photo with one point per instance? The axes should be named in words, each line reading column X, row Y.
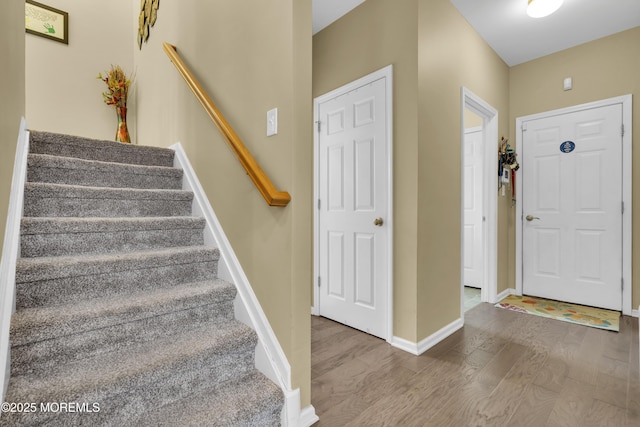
column 572, row 244
column 473, row 221
column 353, row 192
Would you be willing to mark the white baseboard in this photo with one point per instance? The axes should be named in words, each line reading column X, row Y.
column 502, row 295
column 424, row 345
column 308, row 416
column 292, row 415
column 635, row 313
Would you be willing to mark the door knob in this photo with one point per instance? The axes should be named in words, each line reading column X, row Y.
column 531, row 217
column 378, row 222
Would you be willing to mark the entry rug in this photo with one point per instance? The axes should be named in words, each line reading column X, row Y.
column 588, row 316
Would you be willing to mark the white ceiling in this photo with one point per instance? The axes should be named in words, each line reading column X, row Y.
column 515, row 37
column 325, row 12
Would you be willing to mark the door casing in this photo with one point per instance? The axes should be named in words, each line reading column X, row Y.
column 626, row 102
column 387, row 74
column 489, row 115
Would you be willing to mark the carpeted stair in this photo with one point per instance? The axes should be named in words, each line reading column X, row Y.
column 118, row 302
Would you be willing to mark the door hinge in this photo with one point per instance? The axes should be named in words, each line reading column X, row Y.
column 318, row 204
column 319, row 282
column 622, row 203
column 319, row 123
column 622, row 283
column 524, row 127
column 622, row 129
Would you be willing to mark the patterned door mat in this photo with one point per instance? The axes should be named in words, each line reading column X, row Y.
column 580, row 314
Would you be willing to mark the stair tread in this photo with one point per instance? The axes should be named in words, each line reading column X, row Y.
column 223, row 406
column 45, row 268
column 43, row 190
column 49, row 160
column 113, row 373
column 95, row 149
column 55, row 225
column 43, row 323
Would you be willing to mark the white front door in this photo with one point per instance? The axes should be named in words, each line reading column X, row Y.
column 572, row 207
column 353, row 212
column 473, row 221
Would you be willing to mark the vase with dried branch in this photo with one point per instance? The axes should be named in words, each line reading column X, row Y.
column 116, row 94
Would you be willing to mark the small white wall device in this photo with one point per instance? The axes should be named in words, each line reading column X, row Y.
column 272, row 122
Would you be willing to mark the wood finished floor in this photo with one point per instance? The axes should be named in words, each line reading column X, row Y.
column 502, row 369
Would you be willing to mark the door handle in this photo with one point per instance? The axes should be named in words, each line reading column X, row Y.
column 378, row 222
column 531, row 217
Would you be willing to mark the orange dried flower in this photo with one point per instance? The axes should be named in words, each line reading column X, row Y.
column 117, row 86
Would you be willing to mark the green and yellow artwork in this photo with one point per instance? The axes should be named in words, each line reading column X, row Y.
column 45, row 21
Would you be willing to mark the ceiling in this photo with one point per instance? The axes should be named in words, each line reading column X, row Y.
column 515, row 37
column 325, row 12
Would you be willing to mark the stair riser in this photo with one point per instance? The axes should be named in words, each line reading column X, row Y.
column 64, row 290
column 38, row 245
column 41, row 356
column 110, row 208
column 104, row 151
column 94, row 178
column 133, row 395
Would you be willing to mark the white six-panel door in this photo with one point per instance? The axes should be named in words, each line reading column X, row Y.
column 571, row 207
column 353, row 208
column 473, row 218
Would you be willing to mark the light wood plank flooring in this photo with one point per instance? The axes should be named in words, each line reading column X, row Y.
column 502, row 369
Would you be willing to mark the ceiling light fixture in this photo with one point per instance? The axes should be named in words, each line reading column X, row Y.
column 542, row 8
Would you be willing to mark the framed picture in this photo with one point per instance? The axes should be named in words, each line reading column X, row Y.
column 45, row 21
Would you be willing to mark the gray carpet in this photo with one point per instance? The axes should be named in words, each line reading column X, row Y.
column 120, row 315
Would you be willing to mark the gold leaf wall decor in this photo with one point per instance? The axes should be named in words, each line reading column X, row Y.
column 146, row 19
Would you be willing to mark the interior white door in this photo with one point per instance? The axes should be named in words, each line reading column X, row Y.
column 473, row 218
column 353, row 208
column 572, row 215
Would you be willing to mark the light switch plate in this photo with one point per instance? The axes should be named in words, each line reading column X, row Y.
column 272, row 122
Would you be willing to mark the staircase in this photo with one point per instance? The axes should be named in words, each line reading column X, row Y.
column 120, row 316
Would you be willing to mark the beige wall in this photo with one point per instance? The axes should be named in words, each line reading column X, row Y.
column 601, row 69
column 452, row 55
column 12, row 89
column 375, row 34
column 250, row 56
column 62, row 92
column 434, row 52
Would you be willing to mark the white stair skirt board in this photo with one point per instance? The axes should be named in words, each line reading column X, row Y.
column 270, row 358
column 424, row 345
column 10, row 252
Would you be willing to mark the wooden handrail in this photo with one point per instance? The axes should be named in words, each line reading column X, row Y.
column 273, row 196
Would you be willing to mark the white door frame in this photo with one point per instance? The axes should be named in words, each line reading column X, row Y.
column 627, row 165
column 387, row 74
column 489, row 115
